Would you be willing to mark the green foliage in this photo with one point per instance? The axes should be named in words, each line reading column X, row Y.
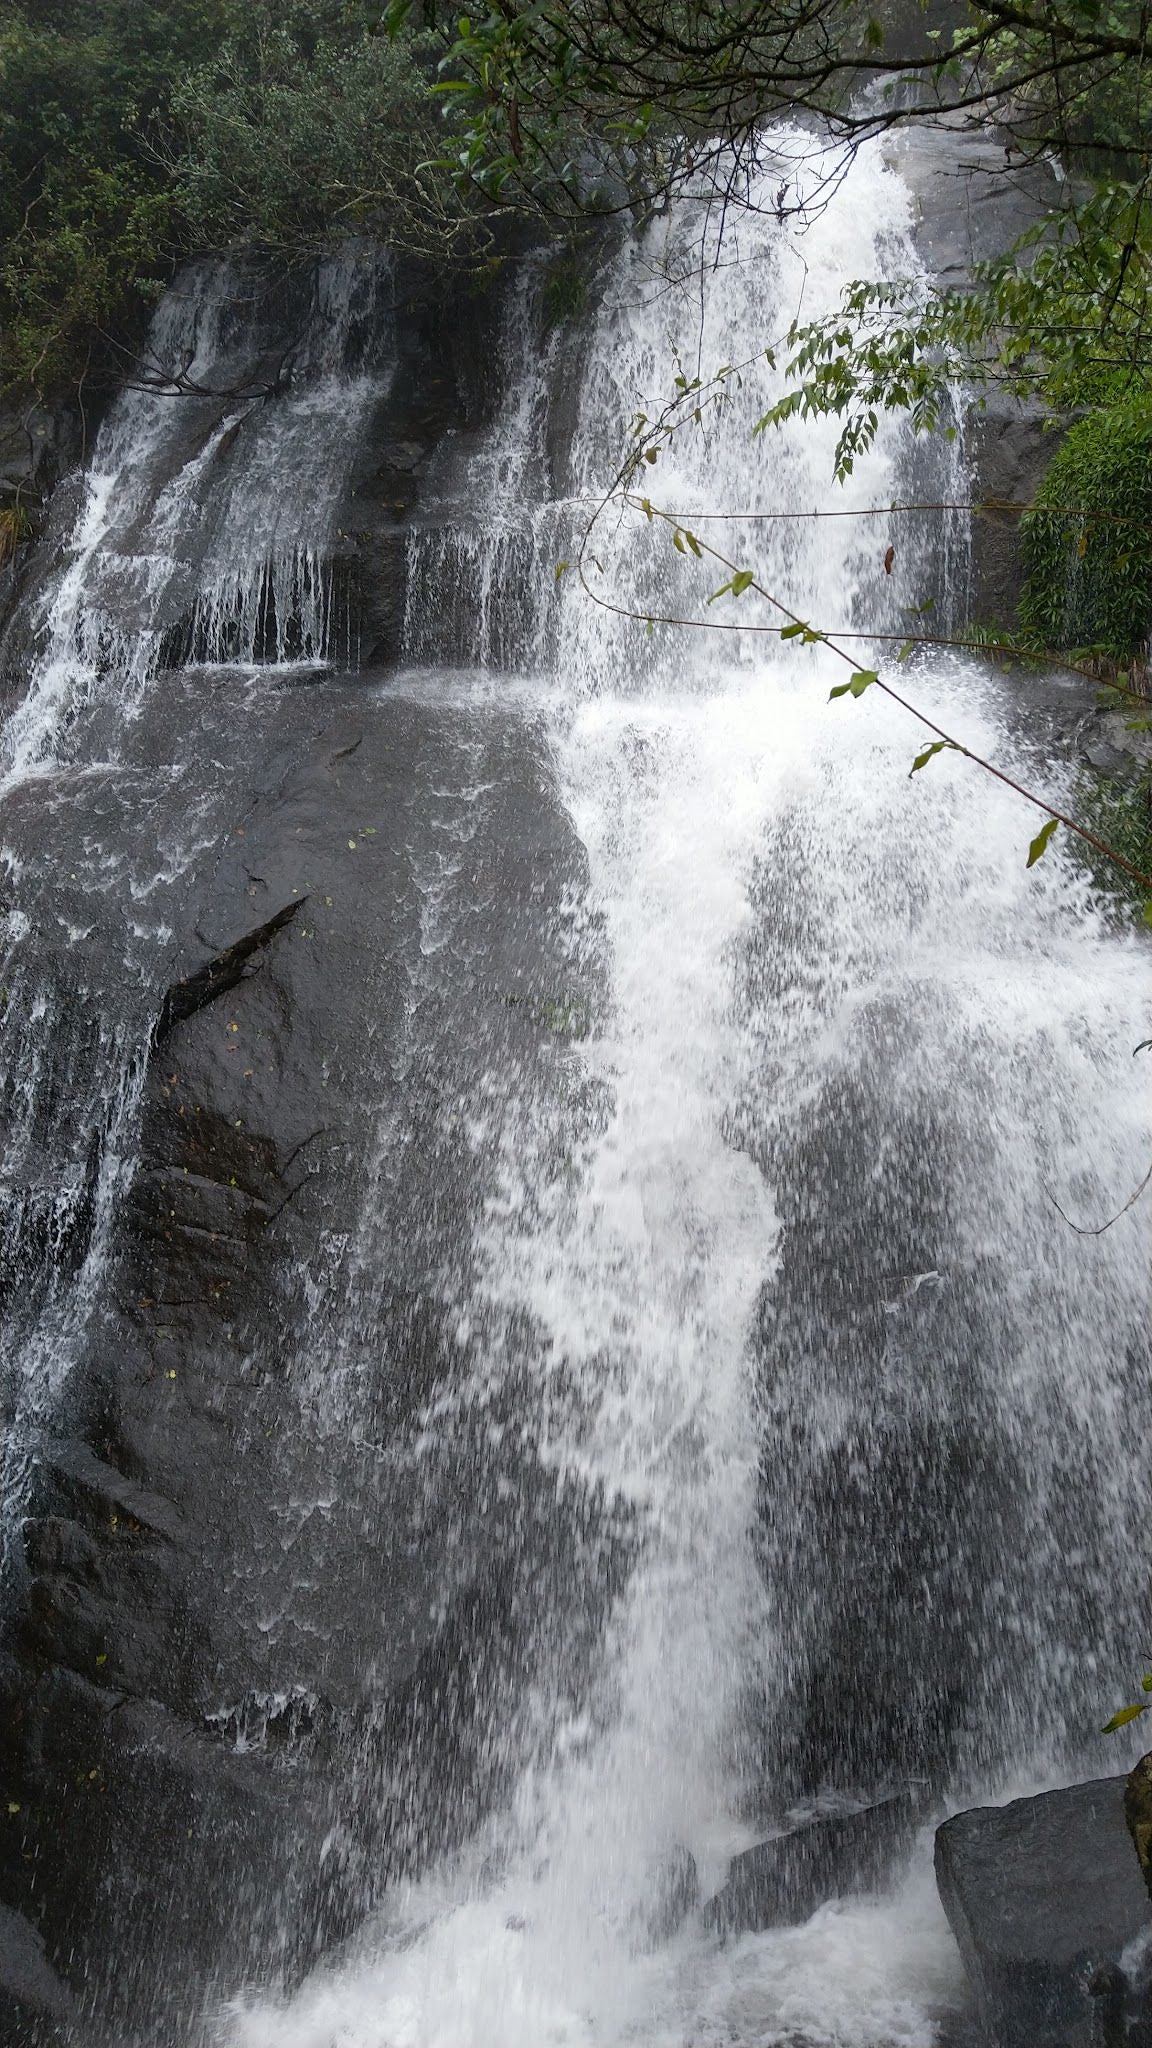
column 86, row 214
column 135, row 131
column 862, row 679
column 1087, row 546
column 1132, row 1713
column 930, row 752
column 294, row 130
column 1120, row 814
column 1125, row 1715
column 1039, row 846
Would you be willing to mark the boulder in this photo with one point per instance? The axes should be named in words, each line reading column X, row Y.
column 1043, row 1896
column 781, row 1881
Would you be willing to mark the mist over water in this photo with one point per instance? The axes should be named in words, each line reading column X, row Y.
column 808, row 1316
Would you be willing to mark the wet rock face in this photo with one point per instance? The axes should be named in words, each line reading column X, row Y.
column 263, row 1598
column 1044, row 1896
column 36, row 2008
column 38, row 443
column 268, row 1608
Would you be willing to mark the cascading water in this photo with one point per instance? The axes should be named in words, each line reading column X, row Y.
column 806, row 1315
column 205, row 532
column 196, row 536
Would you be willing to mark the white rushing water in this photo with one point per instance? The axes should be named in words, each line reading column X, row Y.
column 811, row 1317
column 206, row 523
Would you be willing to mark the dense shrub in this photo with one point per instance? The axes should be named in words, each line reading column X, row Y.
column 1119, row 813
column 87, row 225
column 286, row 137
column 1087, row 545
column 133, row 132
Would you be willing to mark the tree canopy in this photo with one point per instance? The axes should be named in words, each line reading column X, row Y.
column 133, row 131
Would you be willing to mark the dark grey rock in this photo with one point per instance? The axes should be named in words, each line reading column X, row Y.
column 270, row 1629
column 782, row 1881
column 38, row 440
column 41, row 439
column 1011, row 444
column 1114, row 744
column 36, row 2009
column 1040, row 1895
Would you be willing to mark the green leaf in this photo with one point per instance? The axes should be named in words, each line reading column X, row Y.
column 559, row 570
column 862, row 680
column 792, row 632
column 841, row 690
column 937, row 747
column 650, row 454
column 738, row 585
column 1125, row 1715
column 908, row 648
column 678, row 542
column 1146, row 1682
column 1148, row 911
column 1039, row 845
column 692, row 542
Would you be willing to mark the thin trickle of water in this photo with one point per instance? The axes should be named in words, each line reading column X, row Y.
column 804, row 1310
column 476, row 558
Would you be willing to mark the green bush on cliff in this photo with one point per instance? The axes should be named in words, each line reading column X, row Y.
column 288, row 134
column 87, row 225
column 133, row 132
column 1119, row 813
column 1087, row 545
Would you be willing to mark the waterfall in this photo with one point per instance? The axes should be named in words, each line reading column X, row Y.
column 718, row 1290
column 805, row 1313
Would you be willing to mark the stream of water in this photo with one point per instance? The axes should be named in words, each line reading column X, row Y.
column 810, row 1314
